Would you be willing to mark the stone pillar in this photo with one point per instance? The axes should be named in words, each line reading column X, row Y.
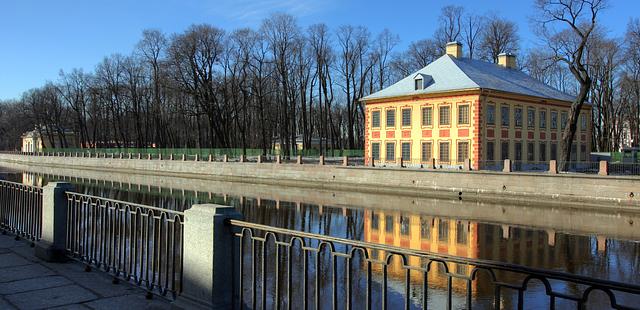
column 121, row 155
column 210, row 157
column 184, row 157
column 128, row 155
column 345, row 161
column 260, row 159
column 225, row 158
column 604, row 168
column 149, row 156
column 299, row 160
column 321, row 160
column 210, row 248
column 243, row 158
column 507, row 166
column 53, row 244
column 278, row 159
column 553, row 166
column 467, row 164
column 197, row 158
column 139, row 156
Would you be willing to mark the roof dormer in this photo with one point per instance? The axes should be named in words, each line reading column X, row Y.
column 421, row 81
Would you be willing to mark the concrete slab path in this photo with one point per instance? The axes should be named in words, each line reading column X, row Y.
column 29, row 283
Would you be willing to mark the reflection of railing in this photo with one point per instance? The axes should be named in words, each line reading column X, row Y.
column 139, row 243
column 502, row 277
column 21, row 209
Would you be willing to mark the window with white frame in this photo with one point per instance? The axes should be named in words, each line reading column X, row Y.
column 426, row 151
column 406, row 117
column 406, row 150
column 444, row 151
column 427, row 116
column 463, row 114
column 375, row 151
column 375, row 119
column 444, row 116
column 390, row 151
column 391, row 118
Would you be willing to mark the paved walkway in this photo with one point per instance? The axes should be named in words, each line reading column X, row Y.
column 29, row 283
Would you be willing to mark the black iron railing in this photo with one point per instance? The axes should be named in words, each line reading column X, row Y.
column 21, row 209
column 138, row 243
column 281, row 268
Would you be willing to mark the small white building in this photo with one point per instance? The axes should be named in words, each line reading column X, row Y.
column 32, row 141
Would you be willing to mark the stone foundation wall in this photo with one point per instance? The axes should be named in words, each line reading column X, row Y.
column 621, row 192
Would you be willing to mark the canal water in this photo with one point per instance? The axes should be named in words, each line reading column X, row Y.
column 596, row 244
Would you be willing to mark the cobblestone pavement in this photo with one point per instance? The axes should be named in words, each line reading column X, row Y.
column 29, row 283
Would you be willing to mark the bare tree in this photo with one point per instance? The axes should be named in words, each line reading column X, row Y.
column 566, row 26
column 472, row 26
column 449, row 25
column 499, row 35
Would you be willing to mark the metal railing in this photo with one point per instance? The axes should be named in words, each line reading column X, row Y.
column 138, row 243
column 21, row 209
column 270, row 284
column 624, row 168
column 586, row 167
column 530, row 166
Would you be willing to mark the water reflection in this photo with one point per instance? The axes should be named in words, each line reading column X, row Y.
column 586, row 254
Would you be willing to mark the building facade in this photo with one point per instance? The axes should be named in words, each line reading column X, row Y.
column 457, row 108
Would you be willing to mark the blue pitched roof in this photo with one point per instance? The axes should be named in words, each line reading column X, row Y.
column 451, row 74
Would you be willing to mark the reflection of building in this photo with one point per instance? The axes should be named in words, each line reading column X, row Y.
column 466, row 239
column 457, row 238
column 458, row 108
column 34, row 141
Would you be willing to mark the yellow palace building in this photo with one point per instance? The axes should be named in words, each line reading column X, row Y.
column 457, row 108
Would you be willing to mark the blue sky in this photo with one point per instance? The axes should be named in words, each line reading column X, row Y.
column 38, row 38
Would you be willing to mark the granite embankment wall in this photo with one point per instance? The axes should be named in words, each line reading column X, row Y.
column 577, row 190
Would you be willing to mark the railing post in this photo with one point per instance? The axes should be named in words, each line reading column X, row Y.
column 401, row 162
column 184, row 157
column 210, row 157
column 604, row 168
column 278, row 159
column 243, row 158
column 433, row 163
column 210, row 258
column 53, row 244
column 507, row 166
column 225, row 158
column 321, row 160
column 260, row 159
column 197, row 158
column 553, row 166
column 299, row 160
column 345, row 161
column 149, row 156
